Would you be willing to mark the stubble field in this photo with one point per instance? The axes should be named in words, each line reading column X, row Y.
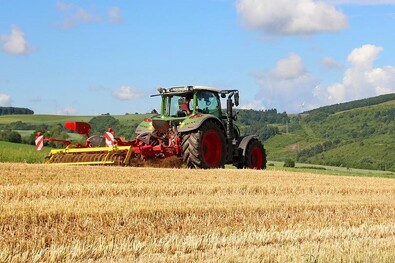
column 116, row 214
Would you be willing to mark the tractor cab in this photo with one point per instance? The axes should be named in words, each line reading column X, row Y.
column 187, row 107
column 182, row 102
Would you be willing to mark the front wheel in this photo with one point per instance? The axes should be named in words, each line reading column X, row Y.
column 255, row 156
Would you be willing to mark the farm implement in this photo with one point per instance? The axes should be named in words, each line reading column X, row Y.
column 191, row 127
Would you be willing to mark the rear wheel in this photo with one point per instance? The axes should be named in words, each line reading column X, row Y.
column 205, row 147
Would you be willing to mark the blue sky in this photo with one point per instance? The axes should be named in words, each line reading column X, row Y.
column 94, row 57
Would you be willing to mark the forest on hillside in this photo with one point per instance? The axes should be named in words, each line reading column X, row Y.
column 14, row 110
column 361, row 137
column 331, row 109
column 263, row 123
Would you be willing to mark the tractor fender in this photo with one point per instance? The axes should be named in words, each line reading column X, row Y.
column 195, row 121
column 244, row 143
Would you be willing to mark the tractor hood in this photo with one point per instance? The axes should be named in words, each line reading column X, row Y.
column 162, row 124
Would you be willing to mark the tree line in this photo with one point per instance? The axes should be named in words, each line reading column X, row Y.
column 14, row 110
column 270, row 116
column 331, row 109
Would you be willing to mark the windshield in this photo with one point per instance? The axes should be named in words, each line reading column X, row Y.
column 208, row 102
column 181, row 105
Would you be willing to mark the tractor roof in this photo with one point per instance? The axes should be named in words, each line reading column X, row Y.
column 186, row 89
column 177, row 90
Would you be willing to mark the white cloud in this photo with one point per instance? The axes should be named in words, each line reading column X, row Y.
column 67, row 111
column 5, row 100
column 331, row 63
column 288, row 86
column 361, row 79
column 291, row 17
column 360, row 2
column 63, row 6
column 15, row 43
column 253, row 105
column 114, row 15
column 73, row 16
column 83, row 16
column 336, row 93
column 364, row 56
column 382, row 79
column 289, row 68
column 128, row 93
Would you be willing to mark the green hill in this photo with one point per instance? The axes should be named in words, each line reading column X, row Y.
column 354, row 104
column 348, row 135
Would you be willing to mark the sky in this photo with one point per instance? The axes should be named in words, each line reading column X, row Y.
column 96, row 57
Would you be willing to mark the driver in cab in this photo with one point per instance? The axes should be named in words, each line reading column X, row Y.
column 185, row 106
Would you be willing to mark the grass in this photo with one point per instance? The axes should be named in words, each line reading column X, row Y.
column 25, row 133
column 70, row 214
column 17, row 152
column 284, row 146
column 330, row 170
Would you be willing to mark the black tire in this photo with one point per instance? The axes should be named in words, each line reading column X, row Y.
column 205, row 147
column 255, row 156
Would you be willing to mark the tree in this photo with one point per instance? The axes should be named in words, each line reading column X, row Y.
column 56, row 131
column 289, row 163
column 14, row 110
column 100, row 124
column 10, row 136
column 14, row 137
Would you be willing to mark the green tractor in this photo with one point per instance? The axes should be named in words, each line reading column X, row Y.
column 192, row 125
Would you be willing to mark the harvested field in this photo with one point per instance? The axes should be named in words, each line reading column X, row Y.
column 59, row 213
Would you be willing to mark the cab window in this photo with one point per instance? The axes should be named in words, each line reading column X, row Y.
column 208, row 102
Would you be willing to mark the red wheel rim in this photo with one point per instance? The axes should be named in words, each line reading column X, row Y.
column 256, row 158
column 212, row 149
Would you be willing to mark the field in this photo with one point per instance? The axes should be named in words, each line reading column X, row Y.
column 17, row 152
column 60, row 213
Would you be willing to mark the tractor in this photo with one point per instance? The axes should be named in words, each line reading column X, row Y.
column 191, row 126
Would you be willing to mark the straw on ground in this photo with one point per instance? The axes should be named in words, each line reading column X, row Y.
column 59, row 213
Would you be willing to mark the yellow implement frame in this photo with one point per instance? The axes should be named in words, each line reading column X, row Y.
column 105, row 160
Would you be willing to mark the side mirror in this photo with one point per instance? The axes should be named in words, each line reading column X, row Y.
column 237, row 99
